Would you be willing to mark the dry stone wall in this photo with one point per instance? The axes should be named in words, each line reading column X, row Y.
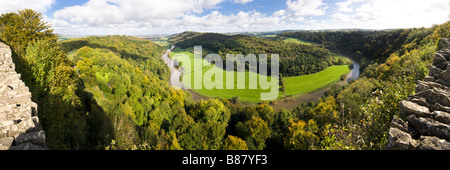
column 19, row 125
column 426, row 123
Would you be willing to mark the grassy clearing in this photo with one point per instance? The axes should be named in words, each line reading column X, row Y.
column 245, row 94
column 293, row 85
column 298, row 41
column 308, row 83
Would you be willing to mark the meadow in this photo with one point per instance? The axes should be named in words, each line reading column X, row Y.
column 295, row 85
column 307, row 83
column 298, row 41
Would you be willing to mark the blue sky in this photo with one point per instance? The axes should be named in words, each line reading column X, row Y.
column 60, row 4
column 145, row 17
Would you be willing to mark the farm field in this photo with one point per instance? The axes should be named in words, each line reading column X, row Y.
column 298, row 41
column 296, row 85
column 307, row 83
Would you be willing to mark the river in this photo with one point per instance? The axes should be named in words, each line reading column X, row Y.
column 175, row 74
column 288, row 104
column 292, row 103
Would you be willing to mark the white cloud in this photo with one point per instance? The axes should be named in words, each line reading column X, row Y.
column 172, row 16
column 347, row 6
column 301, row 8
column 340, row 17
column 279, row 12
column 112, row 12
column 15, row 5
column 381, row 14
column 242, row 1
column 146, row 17
column 217, row 22
column 297, row 10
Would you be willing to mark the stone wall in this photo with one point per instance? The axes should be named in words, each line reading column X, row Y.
column 426, row 114
column 19, row 125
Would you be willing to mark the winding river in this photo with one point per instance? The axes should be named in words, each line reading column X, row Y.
column 175, row 74
column 291, row 103
column 288, row 104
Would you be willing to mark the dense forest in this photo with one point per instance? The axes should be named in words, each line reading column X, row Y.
column 112, row 93
column 295, row 59
column 358, row 115
column 375, row 46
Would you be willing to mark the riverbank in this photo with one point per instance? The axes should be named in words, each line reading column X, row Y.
column 292, row 102
column 288, row 103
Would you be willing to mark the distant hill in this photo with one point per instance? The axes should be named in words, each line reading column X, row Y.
column 142, row 53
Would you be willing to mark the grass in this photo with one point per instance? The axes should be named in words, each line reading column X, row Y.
column 293, row 85
column 246, row 94
column 307, row 83
column 298, row 41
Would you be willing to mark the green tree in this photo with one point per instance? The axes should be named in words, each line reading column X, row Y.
column 301, row 135
column 255, row 132
column 19, row 29
column 234, row 143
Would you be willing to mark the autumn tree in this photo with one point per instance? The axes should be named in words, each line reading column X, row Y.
column 301, row 135
column 234, row 143
column 255, row 132
column 19, row 29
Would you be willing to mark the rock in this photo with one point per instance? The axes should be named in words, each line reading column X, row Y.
column 429, row 78
column 435, row 71
column 33, row 137
column 445, row 75
column 442, row 82
column 407, row 108
column 19, row 123
column 399, row 124
column 427, row 112
column 424, row 85
column 442, row 117
column 404, row 126
column 440, row 61
column 420, row 100
column 28, row 146
column 430, row 127
column 444, row 43
column 433, row 143
column 438, row 106
column 6, row 143
column 399, row 140
column 435, row 96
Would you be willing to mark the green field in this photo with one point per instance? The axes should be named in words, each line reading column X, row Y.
column 293, row 85
column 307, row 83
column 246, row 94
column 298, row 41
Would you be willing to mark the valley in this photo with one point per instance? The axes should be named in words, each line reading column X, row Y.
column 297, row 89
column 337, row 89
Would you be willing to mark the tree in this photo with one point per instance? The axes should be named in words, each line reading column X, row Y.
column 326, row 111
column 234, row 143
column 301, row 135
column 210, row 111
column 255, row 132
column 24, row 27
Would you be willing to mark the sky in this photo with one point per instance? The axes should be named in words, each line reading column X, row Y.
column 150, row 17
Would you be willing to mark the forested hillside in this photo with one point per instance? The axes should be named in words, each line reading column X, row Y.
column 369, row 46
column 358, row 116
column 141, row 53
column 295, row 59
column 112, row 92
column 48, row 73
